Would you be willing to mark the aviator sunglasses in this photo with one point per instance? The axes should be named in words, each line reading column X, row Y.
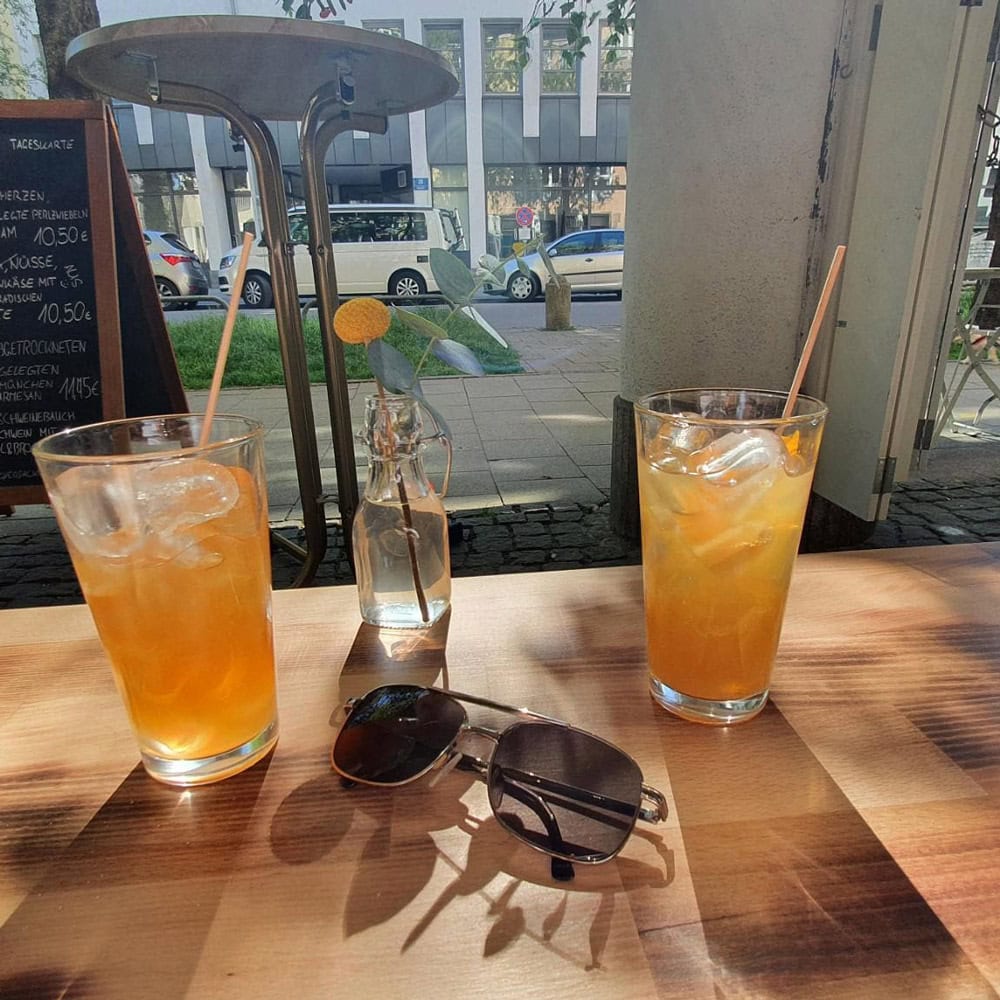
column 558, row 789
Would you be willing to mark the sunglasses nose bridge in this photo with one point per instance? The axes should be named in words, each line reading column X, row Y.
column 472, row 761
column 659, row 812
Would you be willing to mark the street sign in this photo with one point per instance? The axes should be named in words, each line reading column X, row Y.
column 524, row 216
column 421, row 183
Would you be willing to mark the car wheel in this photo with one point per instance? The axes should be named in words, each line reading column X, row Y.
column 257, row 291
column 167, row 290
column 522, row 287
column 407, row 285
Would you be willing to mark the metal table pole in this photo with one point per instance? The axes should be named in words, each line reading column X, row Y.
column 319, row 129
column 286, row 310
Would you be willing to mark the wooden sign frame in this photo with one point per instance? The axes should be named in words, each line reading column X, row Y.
column 102, row 245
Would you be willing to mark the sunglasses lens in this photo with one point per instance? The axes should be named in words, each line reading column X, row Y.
column 395, row 733
column 564, row 791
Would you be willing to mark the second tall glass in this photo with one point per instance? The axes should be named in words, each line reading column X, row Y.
column 724, row 480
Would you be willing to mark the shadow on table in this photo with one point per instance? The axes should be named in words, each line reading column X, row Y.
column 126, row 907
column 793, row 886
column 386, row 837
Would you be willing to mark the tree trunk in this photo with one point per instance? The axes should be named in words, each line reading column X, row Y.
column 557, row 306
column 59, row 22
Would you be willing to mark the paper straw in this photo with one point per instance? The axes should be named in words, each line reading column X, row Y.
column 227, row 335
column 824, row 301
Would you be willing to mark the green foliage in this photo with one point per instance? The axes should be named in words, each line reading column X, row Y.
column 16, row 77
column 581, row 14
column 255, row 358
column 965, row 301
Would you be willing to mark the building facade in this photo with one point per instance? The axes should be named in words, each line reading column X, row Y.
column 552, row 137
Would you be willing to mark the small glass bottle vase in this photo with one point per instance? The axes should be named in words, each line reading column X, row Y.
column 401, row 556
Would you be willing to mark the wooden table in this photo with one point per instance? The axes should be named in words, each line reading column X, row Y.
column 846, row 843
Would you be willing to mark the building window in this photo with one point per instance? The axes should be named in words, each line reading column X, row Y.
column 446, row 41
column 558, row 67
column 393, row 28
column 564, row 199
column 616, row 61
column 501, row 70
column 450, row 190
column 167, row 201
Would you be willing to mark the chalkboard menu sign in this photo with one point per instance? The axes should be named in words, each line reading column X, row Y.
column 60, row 345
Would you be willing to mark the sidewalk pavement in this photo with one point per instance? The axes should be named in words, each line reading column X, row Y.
column 531, row 474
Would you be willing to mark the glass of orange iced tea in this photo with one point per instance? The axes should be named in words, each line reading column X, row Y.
column 170, row 543
column 724, row 481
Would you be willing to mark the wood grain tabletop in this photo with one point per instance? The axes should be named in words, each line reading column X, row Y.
column 845, row 843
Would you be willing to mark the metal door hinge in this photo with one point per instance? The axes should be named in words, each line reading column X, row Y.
column 885, row 476
column 876, row 24
column 924, row 435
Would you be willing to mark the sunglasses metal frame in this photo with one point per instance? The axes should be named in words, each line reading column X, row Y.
column 451, row 756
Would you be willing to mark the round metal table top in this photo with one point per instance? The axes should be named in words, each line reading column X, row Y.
column 268, row 66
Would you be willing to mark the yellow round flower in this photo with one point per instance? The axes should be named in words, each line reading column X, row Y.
column 359, row 321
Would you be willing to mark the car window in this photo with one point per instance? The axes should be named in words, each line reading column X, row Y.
column 298, row 226
column 399, row 227
column 613, row 239
column 576, row 244
column 172, row 239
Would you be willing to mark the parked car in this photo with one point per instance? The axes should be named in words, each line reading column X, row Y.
column 177, row 269
column 591, row 260
column 377, row 249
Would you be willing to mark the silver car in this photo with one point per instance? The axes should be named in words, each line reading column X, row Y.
column 177, row 270
column 591, row 260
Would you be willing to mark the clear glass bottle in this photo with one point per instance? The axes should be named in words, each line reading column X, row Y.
column 401, row 555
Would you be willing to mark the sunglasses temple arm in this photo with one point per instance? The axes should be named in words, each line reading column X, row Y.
column 562, row 867
column 593, row 798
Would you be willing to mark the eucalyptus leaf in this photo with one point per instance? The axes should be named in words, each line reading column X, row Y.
column 442, row 424
column 451, row 352
column 391, row 367
column 455, row 280
column 475, row 314
column 420, row 324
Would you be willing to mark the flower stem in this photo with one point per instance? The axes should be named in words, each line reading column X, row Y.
column 407, row 516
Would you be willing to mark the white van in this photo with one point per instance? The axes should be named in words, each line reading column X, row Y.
column 378, row 250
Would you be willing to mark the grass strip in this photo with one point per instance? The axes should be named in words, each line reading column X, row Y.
column 255, row 357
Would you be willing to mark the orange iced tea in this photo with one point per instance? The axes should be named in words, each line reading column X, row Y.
column 722, row 499
column 172, row 554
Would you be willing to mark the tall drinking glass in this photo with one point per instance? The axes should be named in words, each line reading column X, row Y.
column 724, row 481
column 169, row 540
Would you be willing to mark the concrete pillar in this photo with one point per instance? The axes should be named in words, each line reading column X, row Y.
column 725, row 161
column 419, row 163
column 531, row 88
column 211, row 194
column 589, row 71
column 475, row 230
